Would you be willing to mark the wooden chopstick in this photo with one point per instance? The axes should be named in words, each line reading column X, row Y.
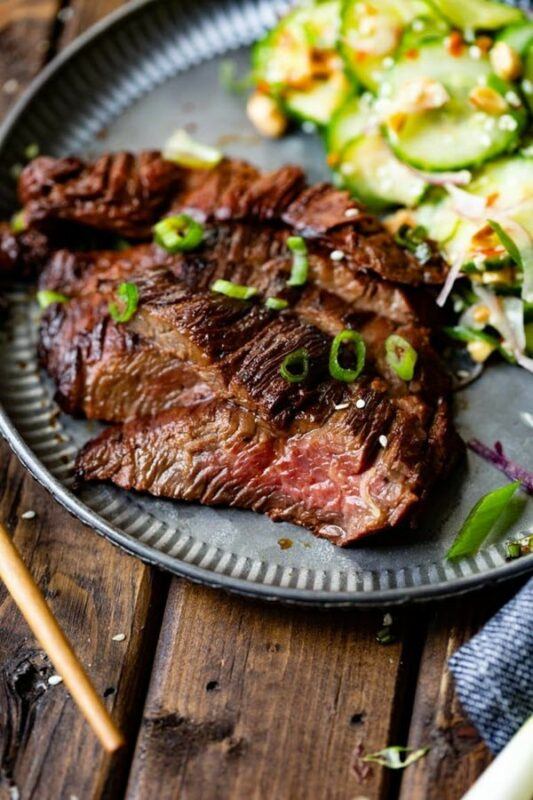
column 46, row 630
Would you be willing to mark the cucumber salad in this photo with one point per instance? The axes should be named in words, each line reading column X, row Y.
column 425, row 108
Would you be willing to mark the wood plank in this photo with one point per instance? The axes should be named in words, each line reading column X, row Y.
column 25, row 30
column 250, row 700
column 96, row 591
column 457, row 756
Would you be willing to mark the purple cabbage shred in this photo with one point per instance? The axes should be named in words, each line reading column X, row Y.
column 497, row 457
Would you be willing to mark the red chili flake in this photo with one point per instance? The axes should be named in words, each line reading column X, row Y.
column 412, row 54
column 455, row 44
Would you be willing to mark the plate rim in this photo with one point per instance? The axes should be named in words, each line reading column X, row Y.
column 157, row 558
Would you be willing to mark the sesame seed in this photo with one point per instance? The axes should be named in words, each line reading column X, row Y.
column 65, row 14
column 462, row 374
column 347, row 169
column 513, row 99
column 360, row 403
column 527, row 418
column 507, row 123
column 28, row 515
column 308, row 127
column 388, row 62
column 387, row 620
column 119, row 637
column 11, row 86
column 383, row 440
column 341, row 406
column 475, row 52
column 351, row 212
column 336, row 255
column 527, row 86
column 53, row 680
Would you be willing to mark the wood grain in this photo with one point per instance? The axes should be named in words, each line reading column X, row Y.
column 80, row 15
column 457, row 755
column 46, row 748
column 255, row 701
column 25, row 31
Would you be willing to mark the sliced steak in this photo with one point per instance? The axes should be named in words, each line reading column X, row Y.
column 255, row 255
column 129, row 194
column 336, row 479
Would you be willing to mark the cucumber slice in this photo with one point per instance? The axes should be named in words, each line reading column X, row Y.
column 321, row 101
column 518, row 36
column 351, row 120
column 371, row 33
column 298, row 65
column 457, row 135
column 372, row 173
column 508, row 181
column 478, row 14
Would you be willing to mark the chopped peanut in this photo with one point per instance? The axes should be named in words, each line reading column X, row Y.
column 480, row 351
column 505, row 61
column 421, row 94
column 488, row 100
column 481, row 314
column 266, row 115
column 500, row 276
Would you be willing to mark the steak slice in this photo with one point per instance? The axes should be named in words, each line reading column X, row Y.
column 336, row 479
column 128, row 194
column 178, row 321
column 255, row 255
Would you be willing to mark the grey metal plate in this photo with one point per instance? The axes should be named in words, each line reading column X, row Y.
column 129, row 84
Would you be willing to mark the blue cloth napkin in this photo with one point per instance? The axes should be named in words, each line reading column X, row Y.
column 494, row 672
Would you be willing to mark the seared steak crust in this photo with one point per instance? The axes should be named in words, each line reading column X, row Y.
column 128, row 194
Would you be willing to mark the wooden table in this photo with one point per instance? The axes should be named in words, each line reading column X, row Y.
column 219, row 697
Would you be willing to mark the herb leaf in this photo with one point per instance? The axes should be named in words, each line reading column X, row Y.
column 480, row 521
column 391, row 757
column 46, row 297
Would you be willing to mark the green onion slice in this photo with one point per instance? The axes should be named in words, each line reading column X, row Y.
column 18, row 222
column 300, row 261
column 401, row 356
column 128, row 295
column 480, row 521
column 391, row 757
column 414, row 240
column 276, row 303
column 295, row 367
column 356, row 343
column 235, row 290
column 179, row 233
column 46, row 297
column 507, row 242
column 182, row 149
column 31, row 151
column 463, row 334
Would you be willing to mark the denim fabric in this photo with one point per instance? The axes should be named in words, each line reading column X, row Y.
column 494, row 672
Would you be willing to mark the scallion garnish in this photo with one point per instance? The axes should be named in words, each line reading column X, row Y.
column 300, row 261
column 182, row 149
column 401, row 356
column 31, row 151
column 235, row 290
column 295, row 367
column 463, row 334
column 18, row 222
column 507, row 242
column 128, row 295
column 356, row 344
column 276, row 303
column 480, row 521
column 46, row 297
column 512, row 550
column 414, row 240
column 391, row 757
column 178, row 233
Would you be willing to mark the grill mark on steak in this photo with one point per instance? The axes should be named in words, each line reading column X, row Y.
column 128, row 194
column 253, row 255
column 220, row 454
